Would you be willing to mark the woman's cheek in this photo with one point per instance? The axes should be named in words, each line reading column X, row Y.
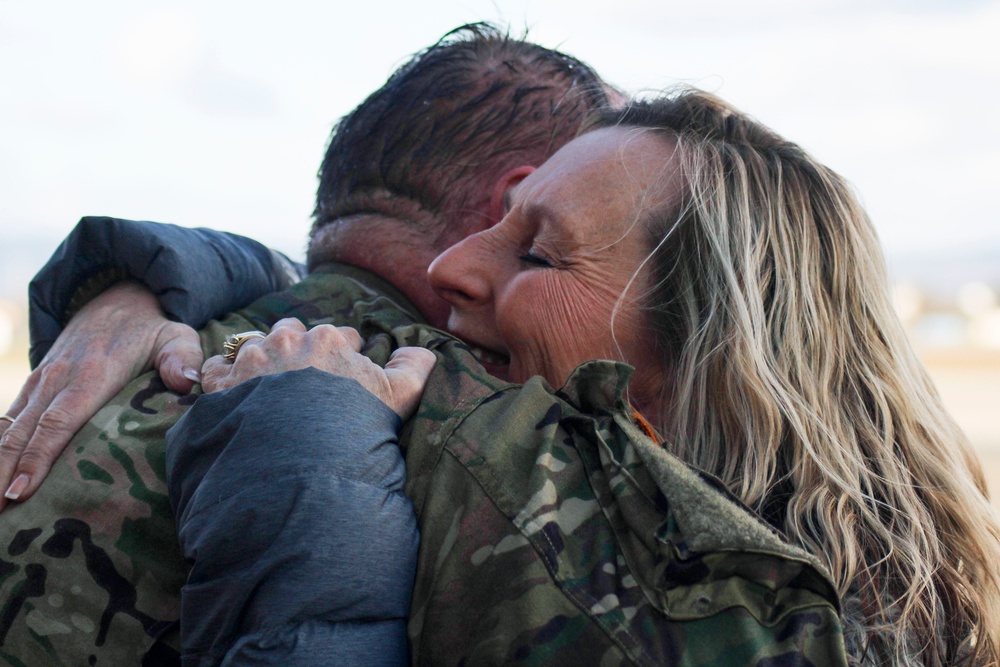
column 552, row 324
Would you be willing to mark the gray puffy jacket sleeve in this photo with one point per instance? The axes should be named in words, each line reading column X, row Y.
column 288, row 495
column 196, row 274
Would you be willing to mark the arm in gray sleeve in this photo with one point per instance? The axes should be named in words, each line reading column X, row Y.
column 196, row 274
column 287, row 491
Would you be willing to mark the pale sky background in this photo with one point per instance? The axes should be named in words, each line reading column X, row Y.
column 216, row 113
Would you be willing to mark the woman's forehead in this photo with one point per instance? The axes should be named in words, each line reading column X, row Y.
column 604, row 177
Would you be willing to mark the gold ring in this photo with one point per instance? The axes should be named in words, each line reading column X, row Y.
column 7, row 417
column 235, row 341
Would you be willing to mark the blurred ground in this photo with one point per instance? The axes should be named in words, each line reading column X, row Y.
column 968, row 380
column 969, row 384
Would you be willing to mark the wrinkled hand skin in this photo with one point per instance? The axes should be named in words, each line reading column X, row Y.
column 114, row 338
column 290, row 346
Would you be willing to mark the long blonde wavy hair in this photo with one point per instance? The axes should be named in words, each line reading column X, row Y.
column 794, row 383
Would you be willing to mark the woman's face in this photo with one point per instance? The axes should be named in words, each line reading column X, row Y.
column 538, row 291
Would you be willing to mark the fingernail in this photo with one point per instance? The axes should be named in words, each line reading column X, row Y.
column 17, row 487
column 192, row 374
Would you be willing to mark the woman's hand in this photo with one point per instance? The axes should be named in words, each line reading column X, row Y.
column 335, row 350
column 114, row 338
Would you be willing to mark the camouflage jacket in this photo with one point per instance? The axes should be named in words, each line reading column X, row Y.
column 553, row 531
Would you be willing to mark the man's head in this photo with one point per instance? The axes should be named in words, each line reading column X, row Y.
column 425, row 160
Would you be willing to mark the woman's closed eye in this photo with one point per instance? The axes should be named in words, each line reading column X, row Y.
column 535, row 260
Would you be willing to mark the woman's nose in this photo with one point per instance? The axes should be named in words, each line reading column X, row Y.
column 461, row 274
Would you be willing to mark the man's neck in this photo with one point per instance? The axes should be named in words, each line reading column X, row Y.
column 371, row 280
column 395, row 249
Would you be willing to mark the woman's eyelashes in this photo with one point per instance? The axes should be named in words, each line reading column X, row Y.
column 532, row 259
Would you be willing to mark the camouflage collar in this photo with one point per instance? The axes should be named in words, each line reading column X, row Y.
column 598, row 386
column 711, row 520
column 373, row 282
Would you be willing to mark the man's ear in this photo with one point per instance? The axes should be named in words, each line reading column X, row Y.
column 509, row 179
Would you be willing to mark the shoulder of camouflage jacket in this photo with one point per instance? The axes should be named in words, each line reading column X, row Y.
column 540, row 481
column 337, row 294
column 91, row 572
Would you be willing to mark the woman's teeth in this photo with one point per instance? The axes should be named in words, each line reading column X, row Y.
column 490, row 357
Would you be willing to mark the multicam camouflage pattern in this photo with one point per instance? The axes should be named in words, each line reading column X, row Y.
column 552, row 530
column 90, row 570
